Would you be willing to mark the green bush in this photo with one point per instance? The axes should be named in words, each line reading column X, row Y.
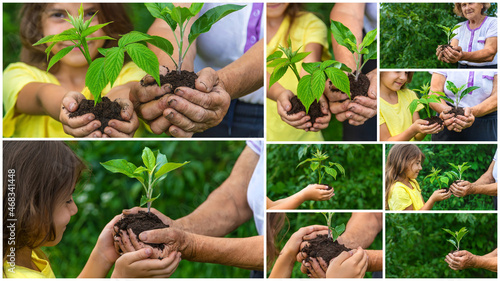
column 295, row 221
column 101, row 195
column 409, row 34
column 360, row 188
column 416, row 244
column 479, row 157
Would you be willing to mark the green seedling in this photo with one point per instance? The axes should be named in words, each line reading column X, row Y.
column 180, row 16
column 362, row 53
column 105, row 69
column 458, row 235
column 459, row 169
column 155, row 169
column 449, row 31
column 317, row 165
column 312, row 85
column 426, row 99
column 459, row 93
column 443, row 181
column 333, row 232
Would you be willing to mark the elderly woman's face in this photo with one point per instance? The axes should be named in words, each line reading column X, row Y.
column 472, row 10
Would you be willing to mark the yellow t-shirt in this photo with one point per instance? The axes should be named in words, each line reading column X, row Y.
column 23, row 272
column 306, row 28
column 17, row 75
column 401, row 196
column 397, row 116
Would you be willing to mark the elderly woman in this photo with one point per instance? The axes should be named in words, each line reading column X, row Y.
column 475, row 45
column 479, row 122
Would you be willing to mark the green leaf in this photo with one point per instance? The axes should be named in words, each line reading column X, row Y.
column 149, row 159
column 161, row 160
column 100, row 38
column 461, row 233
column 305, row 161
column 340, row 80
column 310, row 67
column 277, row 74
column 445, row 180
column 57, row 57
column 167, row 167
column 93, row 29
column 156, row 10
column 302, row 151
column 113, row 63
column 314, row 165
column 340, row 32
column 195, row 8
column 67, row 35
column 277, row 62
column 205, row 21
column 318, row 81
column 120, row 166
column 162, row 44
column 181, row 14
column 332, row 172
column 139, row 170
column 372, row 52
column 452, row 242
column 451, row 86
column 369, row 38
column 145, row 59
column 413, row 106
column 145, row 200
column 96, row 79
column 341, row 169
column 133, row 37
column 304, row 92
column 298, row 57
column 275, row 55
column 470, row 89
column 340, row 228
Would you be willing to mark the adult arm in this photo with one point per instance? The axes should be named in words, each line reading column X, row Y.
column 487, row 54
column 464, row 259
column 484, row 185
column 361, row 230
column 489, row 105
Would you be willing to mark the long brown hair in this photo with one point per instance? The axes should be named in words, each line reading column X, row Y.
column 39, row 175
column 275, row 222
column 400, row 158
column 31, row 30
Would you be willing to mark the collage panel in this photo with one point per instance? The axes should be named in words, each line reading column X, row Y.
column 325, row 245
column 441, row 177
column 441, row 245
column 320, row 86
column 438, row 35
column 441, row 105
column 205, row 199
column 324, row 176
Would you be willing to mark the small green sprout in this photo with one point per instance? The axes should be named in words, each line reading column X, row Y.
column 458, row 235
column 460, row 169
column 441, row 180
column 459, row 93
column 316, row 165
column 333, row 232
column 449, row 31
column 426, row 99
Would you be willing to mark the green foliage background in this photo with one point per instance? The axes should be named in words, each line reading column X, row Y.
column 360, row 188
column 102, row 195
column 479, row 157
column 409, row 34
column 416, row 244
column 297, row 220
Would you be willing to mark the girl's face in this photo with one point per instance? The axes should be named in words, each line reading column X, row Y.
column 53, row 22
column 276, row 10
column 472, row 10
column 393, row 80
column 62, row 214
column 414, row 168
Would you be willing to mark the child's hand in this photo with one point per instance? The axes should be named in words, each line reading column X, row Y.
column 423, row 127
column 292, row 246
column 105, row 243
column 125, row 128
column 298, row 120
column 352, row 264
column 81, row 126
column 317, row 192
column 139, row 264
column 440, row 195
column 321, row 123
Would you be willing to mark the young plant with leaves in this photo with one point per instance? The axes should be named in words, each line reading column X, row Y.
column 333, row 232
column 426, row 99
column 441, row 179
column 176, row 16
column 312, row 85
column 459, row 169
column 449, row 31
column 317, row 165
column 155, row 169
column 458, row 235
column 459, row 93
column 363, row 52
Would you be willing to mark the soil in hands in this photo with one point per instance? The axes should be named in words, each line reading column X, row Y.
column 323, row 247
column 434, row 119
column 139, row 222
column 103, row 111
column 329, row 187
column 457, row 111
column 184, row 79
column 314, row 109
column 358, row 88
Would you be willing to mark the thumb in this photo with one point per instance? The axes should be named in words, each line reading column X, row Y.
column 138, row 255
column 161, row 236
column 71, row 100
column 341, row 258
column 207, row 79
column 127, row 108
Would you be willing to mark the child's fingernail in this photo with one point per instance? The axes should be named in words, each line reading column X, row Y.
column 143, row 236
column 72, row 106
column 287, row 108
column 148, row 251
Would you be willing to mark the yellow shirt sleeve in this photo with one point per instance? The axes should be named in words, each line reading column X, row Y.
column 399, row 199
column 14, row 271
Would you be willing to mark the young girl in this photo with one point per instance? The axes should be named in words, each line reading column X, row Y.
column 402, row 191
column 396, row 121
column 33, row 97
column 315, row 192
column 286, row 21
column 39, row 181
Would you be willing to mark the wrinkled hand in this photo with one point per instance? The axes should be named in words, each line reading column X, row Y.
column 461, row 188
column 356, row 111
column 127, row 242
column 174, row 239
column 317, row 192
column 139, row 264
column 451, row 54
column 440, row 195
column 462, row 122
column 352, row 264
column 460, row 260
column 82, row 126
column 125, row 128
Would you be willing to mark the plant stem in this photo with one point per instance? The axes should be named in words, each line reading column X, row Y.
column 294, row 69
column 181, row 57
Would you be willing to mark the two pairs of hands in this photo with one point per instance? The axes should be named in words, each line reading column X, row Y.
column 180, row 114
column 334, row 102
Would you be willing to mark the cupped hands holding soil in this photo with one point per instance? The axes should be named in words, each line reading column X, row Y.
column 104, row 111
column 314, row 110
column 175, row 79
column 434, row 119
column 358, row 88
column 323, row 246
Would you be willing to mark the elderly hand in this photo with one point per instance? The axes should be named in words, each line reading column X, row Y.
column 452, row 54
column 84, row 126
column 461, row 188
column 174, row 239
column 460, row 260
column 356, row 111
column 464, row 121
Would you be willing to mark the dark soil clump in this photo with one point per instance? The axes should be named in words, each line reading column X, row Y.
column 184, row 79
column 360, row 87
column 323, row 247
column 434, row 119
column 457, row 111
column 103, row 111
column 142, row 221
column 314, row 109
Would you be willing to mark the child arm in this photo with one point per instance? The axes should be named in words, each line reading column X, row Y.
column 313, row 192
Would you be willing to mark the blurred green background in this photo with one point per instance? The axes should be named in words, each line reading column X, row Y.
column 360, row 188
column 478, row 156
column 102, row 195
column 295, row 221
column 409, row 34
column 416, row 244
